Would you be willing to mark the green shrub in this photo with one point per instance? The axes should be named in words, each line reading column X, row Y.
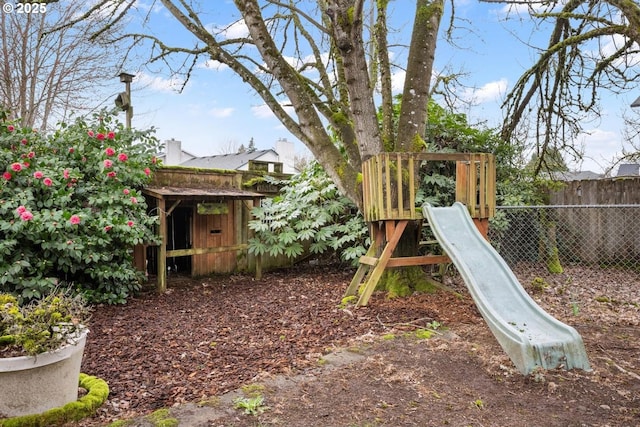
column 71, row 207
column 309, row 210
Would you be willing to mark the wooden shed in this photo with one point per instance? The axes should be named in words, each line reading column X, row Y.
column 203, row 222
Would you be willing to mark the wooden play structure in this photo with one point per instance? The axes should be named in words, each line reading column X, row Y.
column 390, row 183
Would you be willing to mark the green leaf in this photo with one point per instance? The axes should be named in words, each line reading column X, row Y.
column 294, row 250
column 276, row 250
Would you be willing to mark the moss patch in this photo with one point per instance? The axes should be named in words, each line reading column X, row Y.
column 351, row 299
column 402, row 282
column 162, row 418
column 553, row 263
column 423, row 334
column 253, row 390
column 212, row 402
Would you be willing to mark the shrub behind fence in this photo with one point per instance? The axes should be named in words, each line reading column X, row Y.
column 584, row 235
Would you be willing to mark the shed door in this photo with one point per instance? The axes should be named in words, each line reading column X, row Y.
column 179, row 226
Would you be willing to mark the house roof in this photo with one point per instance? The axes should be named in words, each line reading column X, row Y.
column 199, row 193
column 629, row 169
column 226, row 161
column 573, row 176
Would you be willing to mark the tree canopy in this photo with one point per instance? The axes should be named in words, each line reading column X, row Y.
column 324, row 68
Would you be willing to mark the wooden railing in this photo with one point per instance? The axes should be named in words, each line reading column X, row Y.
column 391, row 181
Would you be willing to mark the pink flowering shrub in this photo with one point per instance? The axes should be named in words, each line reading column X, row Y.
column 71, row 208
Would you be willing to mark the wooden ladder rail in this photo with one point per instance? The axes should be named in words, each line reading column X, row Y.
column 371, row 267
column 378, row 269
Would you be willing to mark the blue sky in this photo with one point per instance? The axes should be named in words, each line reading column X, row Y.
column 217, row 111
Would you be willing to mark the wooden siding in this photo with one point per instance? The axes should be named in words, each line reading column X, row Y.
column 213, row 231
column 196, row 178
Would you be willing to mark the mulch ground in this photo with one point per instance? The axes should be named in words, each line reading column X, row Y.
column 207, row 337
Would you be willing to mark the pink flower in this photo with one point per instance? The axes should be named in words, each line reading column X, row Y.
column 31, row 155
column 90, row 133
column 48, row 182
column 109, row 151
column 147, row 171
column 71, row 149
column 107, row 164
column 6, row 176
column 111, row 174
column 100, row 136
column 65, row 174
column 111, row 135
column 134, row 200
column 16, row 167
column 154, row 160
column 10, row 128
column 122, row 157
column 24, row 141
column 107, row 228
column 125, row 191
column 130, row 223
column 38, row 174
column 25, row 215
column 74, row 220
column 26, row 164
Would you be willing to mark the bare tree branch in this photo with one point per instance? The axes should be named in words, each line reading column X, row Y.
column 52, row 69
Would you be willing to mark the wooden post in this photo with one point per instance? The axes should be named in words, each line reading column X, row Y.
column 379, row 268
column 162, row 252
column 258, row 267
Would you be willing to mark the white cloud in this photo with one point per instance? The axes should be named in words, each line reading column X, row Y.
column 220, row 113
column 264, row 112
column 397, row 81
column 159, row 83
column 611, row 44
column 489, row 92
column 600, row 148
column 213, row 65
column 144, row 6
column 522, row 9
column 237, row 29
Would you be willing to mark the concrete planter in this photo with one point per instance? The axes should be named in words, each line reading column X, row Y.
column 34, row 384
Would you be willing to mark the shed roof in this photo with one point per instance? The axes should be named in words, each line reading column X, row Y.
column 199, row 193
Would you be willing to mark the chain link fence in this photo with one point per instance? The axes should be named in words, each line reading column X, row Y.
column 551, row 238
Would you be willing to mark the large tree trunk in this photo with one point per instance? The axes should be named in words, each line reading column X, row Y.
column 415, row 96
column 411, row 130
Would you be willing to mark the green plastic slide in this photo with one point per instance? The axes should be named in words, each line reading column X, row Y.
column 529, row 335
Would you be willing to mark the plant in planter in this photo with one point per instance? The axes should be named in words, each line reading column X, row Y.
column 41, row 347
